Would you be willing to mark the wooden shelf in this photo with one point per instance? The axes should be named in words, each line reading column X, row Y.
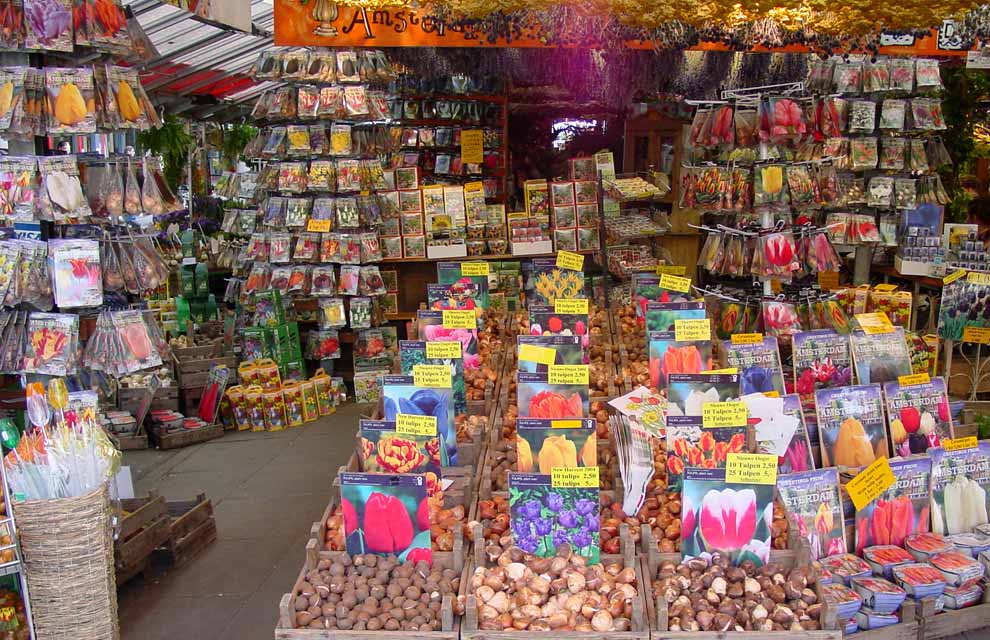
column 503, row 256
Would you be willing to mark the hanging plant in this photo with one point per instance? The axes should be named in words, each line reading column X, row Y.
column 173, row 143
column 235, row 138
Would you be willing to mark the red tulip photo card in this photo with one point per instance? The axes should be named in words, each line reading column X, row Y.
column 899, row 511
column 539, row 399
column 386, row 515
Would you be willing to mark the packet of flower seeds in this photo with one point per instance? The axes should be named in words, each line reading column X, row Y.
column 960, row 488
column 70, row 92
column 51, row 339
column 851, row 426
column 63, row 190
column 918, row 415
column 77, row 279
column 880, row 357
column 901, row 510
column 669, row 356
column 48, row 25
column 811, row 499
column 758, row 364
column 128, row 108
column 545, row 514
column 268, row 308
column 12, row 95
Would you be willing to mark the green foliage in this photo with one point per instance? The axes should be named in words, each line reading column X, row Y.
column 964, row 90
column 235, row 138
column 173, row 143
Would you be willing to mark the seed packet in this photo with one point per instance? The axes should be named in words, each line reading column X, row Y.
column 280, row 279
column 892, row 113
column 297, row 212
column 960, row 481
column 48, row 25
column 901, row 510
column 332, row 313
column 298, row 137
column 848, row 77
column 280, row 247
column 77, row 280
column 691, row 446
column 814, row 508
column 360, row 312
column 769, row 185
column 331, row 102
column 356, row 101
column 349, row 251
column 901, row 74
column 880, row 358
column 349, row 175
column 862, row 116
column 927, row 77
column 876, row 76
column 892, row 152
column 881, row 192
column 324, row 281
column 330, row 250
column 52, row 340
column 322, row 66
column 340, row 140
column 844, row 567
column 292, row 177
column 759, row 365
column 959, row 569
column 917, row 158
column 323, row 344
column 347, row 214
column 414, row 246
column 371, row 248
column 863, row 153
column 905, row 193
column 851, row 426
column 348, row 283
column 63, row 189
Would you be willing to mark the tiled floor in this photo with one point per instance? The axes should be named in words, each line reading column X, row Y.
column 267, row 490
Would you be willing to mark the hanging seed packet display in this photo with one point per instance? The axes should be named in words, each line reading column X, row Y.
column 811, row 499
column 960, row 485
column 689, row 445
column 542, row 445
column 901, row 510
column 544, row 321
column 538, row 398
column 688, row 393
column 48, row 25
column 758, row 364
column 471, row 290
column 430, row 328
column 669, row 356
column 725, row 517
column 387, row 515
column 880, row 357
column 402, row 397
column 822, row 360
column 545, row 515
column 535, row 354
column 414, row 352
column 77, row 279
column 382, row 450
column 62, row 200
column 918, row 416
column 851, row 426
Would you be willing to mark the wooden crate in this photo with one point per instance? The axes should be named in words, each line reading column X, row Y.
column 131, row 441
column 284, row 629
column 165, row 398
column 951, row 623
column 192, row 528
column 186, row 437
column 143, row 527
column 640, row 625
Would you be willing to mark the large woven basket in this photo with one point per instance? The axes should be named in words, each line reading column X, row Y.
column 68, row 560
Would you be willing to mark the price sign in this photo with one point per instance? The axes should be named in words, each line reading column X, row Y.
column 979, row 335
column 537, row 354
column 729, row 370
column 576, row 305
column 416, row 425
column 914, row 379
column 969, row 442
column 568, row 260
column 443, row 350
column 436, row 376
column 672, row 269
column 187, row 261
column 459, row 319
column 870, row 483
column 472, row 146
column 574, row 477
column 952, row 277
column 978, row 277
column 751, row 468
column 675, row 283
column 475, row 269
column 566, row 424
column 319, row 226
column 828, row 280
column 874, row 323
column 724, row 414
column 699, row 329
column 772, row 394
column 569, row 374
column 747, row 338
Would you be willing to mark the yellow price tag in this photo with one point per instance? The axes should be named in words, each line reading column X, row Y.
column 675, row 283
column 415, row 425
column 574, row 477
column 574, row 305
column 672, row 269
column 978, row 277
column 885, row 288
column 319, row 226
column 568, row 260
column 569, row 374
column 477, row 185
column 751, row 468
column 472, row 146
column 475, row 269
column 874, row 323
column 686, row 330
column 459, row 319
column 914, row 379
column 442, row 350
column 771, row 394
column 724, row 414
column 969, row 442
column 436, row 376
column 726, row 370
column 952, row 277
column 565, row 424
column 538, row 354
column 747, row 338
column 979, row 335
column 828, row 280
column 870, row 483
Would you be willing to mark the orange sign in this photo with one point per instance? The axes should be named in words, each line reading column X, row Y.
column 348, row 26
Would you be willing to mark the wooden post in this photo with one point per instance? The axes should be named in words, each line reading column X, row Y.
column 662, row 617
column 471, row 613
column 479, row 545
column 458, row 549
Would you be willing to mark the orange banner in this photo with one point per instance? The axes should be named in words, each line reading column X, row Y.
column 323, row 23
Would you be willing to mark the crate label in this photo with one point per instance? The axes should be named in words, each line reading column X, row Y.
column 475, row 269
column 415, row 425
column 459, row 319
column 574, row 305
column 436, row 376
column 443, row 350
column 675, row 283
column 747, row 338
column 914, row 379
column 574, row 477
column 870, row 483
column 724, row 414
column 569, row 260
column 569, row 374
column 688, row 330
column 969, row 442
column 537, row 354
column 751, row 468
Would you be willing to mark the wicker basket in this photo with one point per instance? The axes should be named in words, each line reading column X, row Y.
column 68, row 561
